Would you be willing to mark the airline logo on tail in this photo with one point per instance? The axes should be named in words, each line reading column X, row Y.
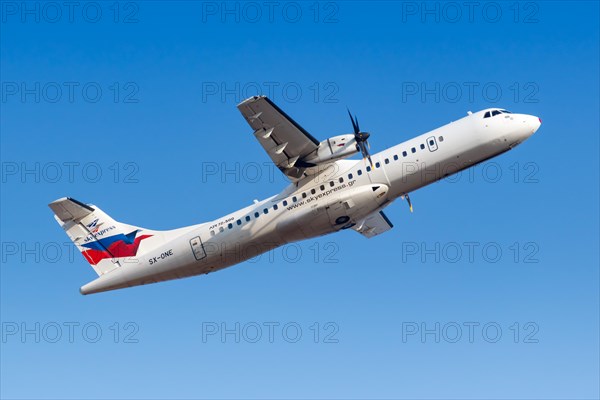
column 94, row 225
column 116, row 246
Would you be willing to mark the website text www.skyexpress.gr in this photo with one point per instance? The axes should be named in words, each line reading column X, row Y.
column 321, row 195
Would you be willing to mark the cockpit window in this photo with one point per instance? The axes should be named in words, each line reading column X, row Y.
column 493, row 113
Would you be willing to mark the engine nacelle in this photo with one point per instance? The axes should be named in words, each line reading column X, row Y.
column 332, row 149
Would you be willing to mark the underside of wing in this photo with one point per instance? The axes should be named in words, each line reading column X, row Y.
column 284, row 140
column 373, row 224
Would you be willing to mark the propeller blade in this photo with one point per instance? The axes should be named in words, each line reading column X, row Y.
column 365, row 153
column 354, row 124
column 361, row 138
column 362, row 150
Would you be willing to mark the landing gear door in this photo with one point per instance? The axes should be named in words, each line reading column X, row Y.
column 432, row 143
column 197, row 248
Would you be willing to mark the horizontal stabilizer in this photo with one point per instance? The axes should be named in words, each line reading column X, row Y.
column 68, row 209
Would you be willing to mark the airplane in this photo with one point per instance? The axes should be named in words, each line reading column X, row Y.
column 326, row 193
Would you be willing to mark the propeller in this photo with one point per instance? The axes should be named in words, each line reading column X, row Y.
column 361, row 139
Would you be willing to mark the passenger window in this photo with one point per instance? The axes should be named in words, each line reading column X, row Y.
column 221, row 229
column 441, row 138
column 404, row 154
column 239, row 221
column 256, row 215
column 247, row 218
column 332, row 184
column 368, row 168
column 395, row 157
column 266, row 211
column 359, row 172
column 487, row 115
column 212, row 233
column 294, row 199
column 387, row 161
column 431, row 142
column 313, row 191
column 377, row 165
column 230, row 226
column 303, row 195
column 413, row 150
column 349, row 176
column 275, row 207
column 285, row 203
column 322, row 187
column 341, row 180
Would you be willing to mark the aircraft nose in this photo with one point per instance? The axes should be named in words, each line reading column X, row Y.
column 534, row 123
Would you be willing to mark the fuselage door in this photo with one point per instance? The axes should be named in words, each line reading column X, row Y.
column 197, row 248
column 432, row 143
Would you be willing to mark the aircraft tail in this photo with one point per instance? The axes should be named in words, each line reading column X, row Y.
column 104, row 242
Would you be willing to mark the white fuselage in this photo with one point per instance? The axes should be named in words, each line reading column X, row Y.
column 343, row 193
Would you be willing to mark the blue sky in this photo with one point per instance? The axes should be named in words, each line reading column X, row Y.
column 490, row 289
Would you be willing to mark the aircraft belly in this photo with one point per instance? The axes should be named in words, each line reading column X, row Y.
column 309, row 221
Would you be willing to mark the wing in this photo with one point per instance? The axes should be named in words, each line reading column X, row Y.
column 283, row 139
column 373, row 224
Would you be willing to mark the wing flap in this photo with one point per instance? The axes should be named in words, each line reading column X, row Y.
column 374, row 224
